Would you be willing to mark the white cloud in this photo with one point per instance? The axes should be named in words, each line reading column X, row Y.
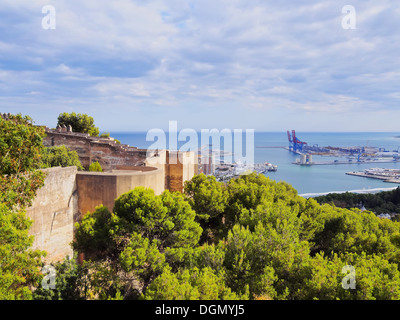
column 193, row 57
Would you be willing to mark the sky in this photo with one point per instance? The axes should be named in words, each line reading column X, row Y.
column 237, row 64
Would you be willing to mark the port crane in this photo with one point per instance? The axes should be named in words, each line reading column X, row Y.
column 295, row 144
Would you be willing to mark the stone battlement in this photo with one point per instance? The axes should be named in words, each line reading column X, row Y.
column 5, row 116
column 106, row 151
column 110, row 141
column 68, row 194
column 112, row 155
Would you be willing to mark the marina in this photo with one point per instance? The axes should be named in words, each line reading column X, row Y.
column 225, row 172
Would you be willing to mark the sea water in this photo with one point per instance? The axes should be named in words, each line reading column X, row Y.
column 315, row 179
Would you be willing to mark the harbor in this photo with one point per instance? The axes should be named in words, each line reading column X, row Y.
column 343, row 154
column 348, row 161
column 218, row 163
column 306, row 179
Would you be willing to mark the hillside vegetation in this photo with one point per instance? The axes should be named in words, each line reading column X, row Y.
column 381, row 202
column 251, row 238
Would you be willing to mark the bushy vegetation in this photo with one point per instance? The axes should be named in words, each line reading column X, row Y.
column 251, row 238
column 381, row 202
column 20, row 151
column 95, row 167
column 60, row 156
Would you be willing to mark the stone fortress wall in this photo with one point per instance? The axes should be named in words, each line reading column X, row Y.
column 106, row 151
column 54, row 211
column 69, row 194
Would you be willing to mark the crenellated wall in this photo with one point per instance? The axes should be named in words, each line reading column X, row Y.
column 106, row 151
column 177, row 166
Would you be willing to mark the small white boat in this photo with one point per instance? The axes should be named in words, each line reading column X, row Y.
column 271, row 167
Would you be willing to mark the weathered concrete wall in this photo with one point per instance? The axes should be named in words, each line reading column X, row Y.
column 95, row 189
column 53, row 212
column 67, row 195
column 102, row 188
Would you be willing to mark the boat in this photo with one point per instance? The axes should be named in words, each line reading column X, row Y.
column 271, row 167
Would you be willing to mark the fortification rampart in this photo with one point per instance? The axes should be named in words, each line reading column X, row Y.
column 106, row 151
column 53, row 212
column 96, row 188
column 69, row 194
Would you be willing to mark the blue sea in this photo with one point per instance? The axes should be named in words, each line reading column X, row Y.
column 308, row 180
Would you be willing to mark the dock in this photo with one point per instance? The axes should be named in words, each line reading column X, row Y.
column 346, row 162
column 384, row 178
column 274, row 147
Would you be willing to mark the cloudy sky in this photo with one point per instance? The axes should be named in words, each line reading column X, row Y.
column 238, row 64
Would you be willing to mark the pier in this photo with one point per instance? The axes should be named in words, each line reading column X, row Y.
column 273, row 147
column 354, row 154
column 387, row 175
column 346, row 162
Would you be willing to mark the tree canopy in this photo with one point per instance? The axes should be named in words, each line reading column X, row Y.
column 21, row 148
column 60, row 156
column 82, row 123
column 251, row 238
column 381, row 202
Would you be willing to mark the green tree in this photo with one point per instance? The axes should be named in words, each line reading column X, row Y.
column 21, row 147
column 94, row 234
column 19, row 264
column 82, row 281
column 143, row 257
column 20, row 151
column 60, row 156
column 136, row 236
column 274, row 245
column 190, row 284
column 167, row 217
column 79, row 122
column 374, row 278
column 381, row 202
column 208, row 199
